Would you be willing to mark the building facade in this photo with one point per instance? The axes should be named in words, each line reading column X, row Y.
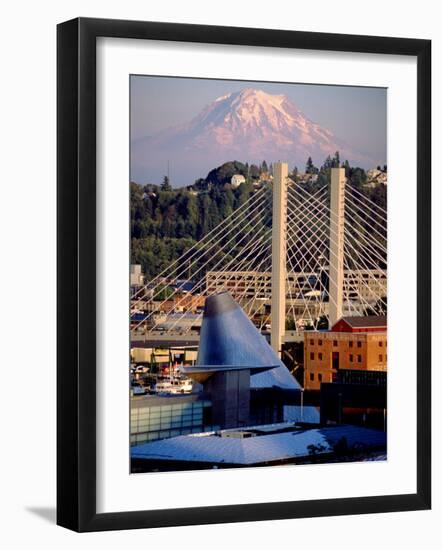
column 353, row 343
column 154, row 417
column 136, row 275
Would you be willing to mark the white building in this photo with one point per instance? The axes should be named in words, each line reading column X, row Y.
column 136, row 275
column 236, row 180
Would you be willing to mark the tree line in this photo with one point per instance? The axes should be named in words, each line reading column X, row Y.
column 167, row 222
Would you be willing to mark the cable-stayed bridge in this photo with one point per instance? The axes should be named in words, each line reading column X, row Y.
column 293, row 260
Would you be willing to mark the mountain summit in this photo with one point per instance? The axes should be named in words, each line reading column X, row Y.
column 250, row 125
column 256, row 118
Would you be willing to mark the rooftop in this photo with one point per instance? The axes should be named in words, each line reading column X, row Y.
column 369, row 321
column 260, row 444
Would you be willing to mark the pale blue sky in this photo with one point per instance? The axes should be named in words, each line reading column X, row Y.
column 355, row 114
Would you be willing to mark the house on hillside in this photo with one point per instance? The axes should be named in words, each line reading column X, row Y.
column 236, row 180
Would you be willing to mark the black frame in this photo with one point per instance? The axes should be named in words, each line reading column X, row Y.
column 76, row 293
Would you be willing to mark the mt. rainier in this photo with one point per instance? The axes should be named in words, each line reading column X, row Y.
column 249, row 125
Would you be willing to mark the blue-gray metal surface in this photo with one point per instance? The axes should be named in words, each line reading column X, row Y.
column 228, row 337
column 275, row 447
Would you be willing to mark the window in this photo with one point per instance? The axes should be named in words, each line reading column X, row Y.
column 380, row 344
column 312, row 376
column 351, row 358
column 359, row 358
column 320, row 377
column 380, row 358
column 350, row 343
column 320, row 356
column 319, row 342
column 335, row 343
column 359, row 344
column 312, row 342
column 312, row 355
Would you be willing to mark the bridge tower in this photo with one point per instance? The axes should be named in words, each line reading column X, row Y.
column 279, row 254
column 336, row 267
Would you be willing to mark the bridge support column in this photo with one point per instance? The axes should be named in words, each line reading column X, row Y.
column 279, row 253
column 336, row 269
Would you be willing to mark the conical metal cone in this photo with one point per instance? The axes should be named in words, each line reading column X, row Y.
column 229, row 338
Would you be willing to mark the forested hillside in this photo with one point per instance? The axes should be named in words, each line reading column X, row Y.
column 165, row 222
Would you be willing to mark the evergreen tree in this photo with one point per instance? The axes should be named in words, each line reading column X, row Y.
column 328, row 163
column 254, row 172
column 165, row 186
column 310, row 168
column 204, row 221
column 200, row 184
column 357, row 176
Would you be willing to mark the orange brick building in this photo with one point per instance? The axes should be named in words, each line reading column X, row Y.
column 357, row 343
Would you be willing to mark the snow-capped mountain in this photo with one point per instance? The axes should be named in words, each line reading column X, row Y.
column 249, row 125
